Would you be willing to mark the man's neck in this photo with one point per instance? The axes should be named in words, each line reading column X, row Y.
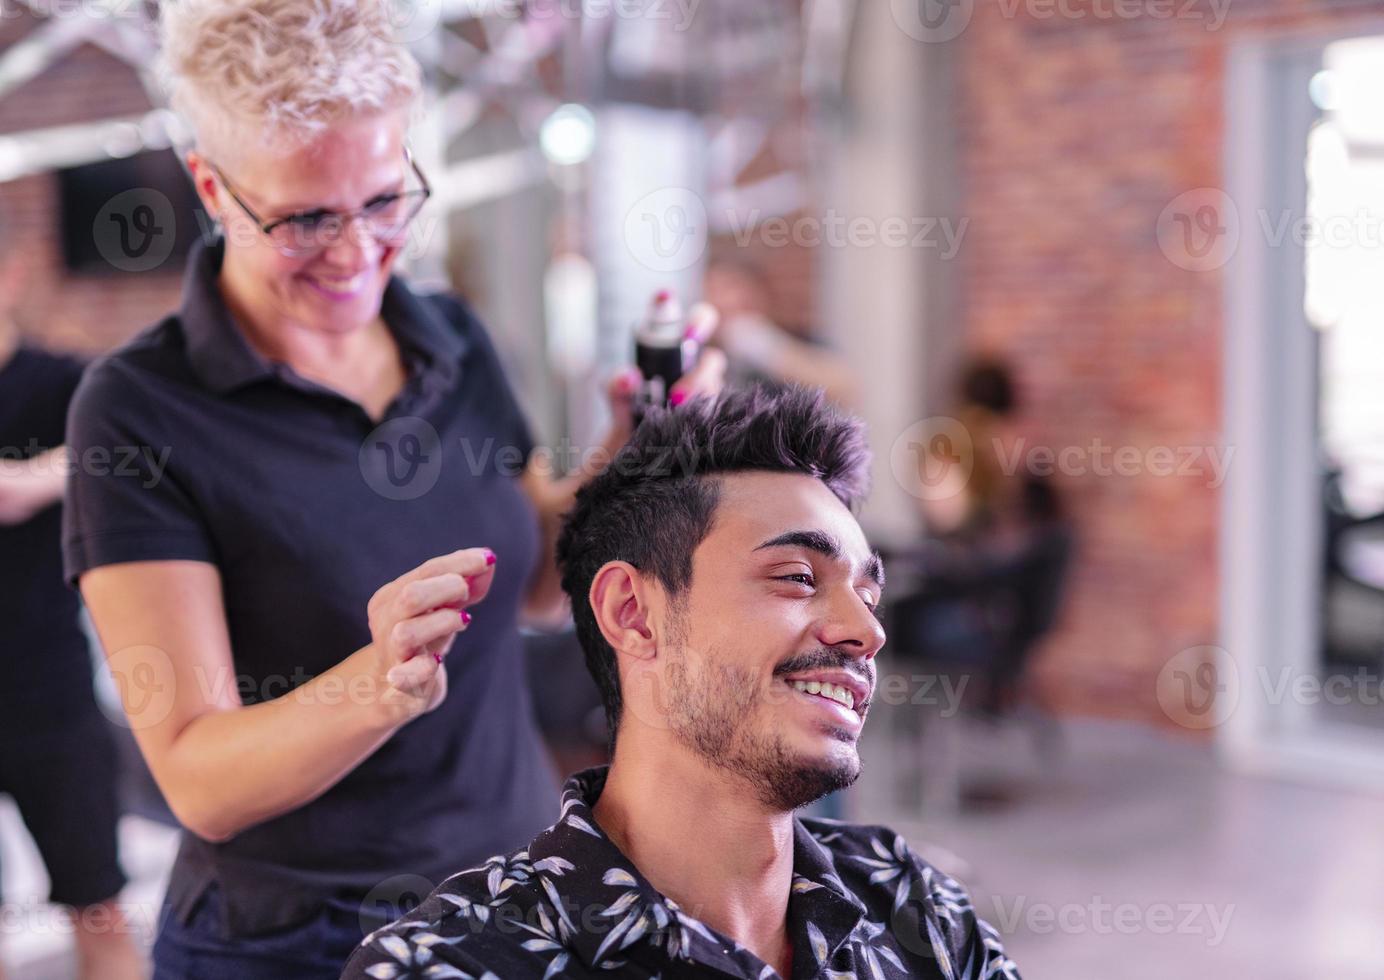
column 704, row 840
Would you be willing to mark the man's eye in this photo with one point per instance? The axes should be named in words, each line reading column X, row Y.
column 802, row 578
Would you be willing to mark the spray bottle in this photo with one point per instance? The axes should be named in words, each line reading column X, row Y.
column 666, row 346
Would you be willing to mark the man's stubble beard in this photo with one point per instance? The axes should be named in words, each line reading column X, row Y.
column 712, row 712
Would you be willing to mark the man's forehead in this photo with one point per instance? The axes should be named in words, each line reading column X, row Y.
column 756, row 507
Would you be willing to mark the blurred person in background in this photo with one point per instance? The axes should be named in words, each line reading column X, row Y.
column 325, row 475
column 760, row 349
column 991, row 506
column 59, row 756
column 997, row 544
column 973, row 505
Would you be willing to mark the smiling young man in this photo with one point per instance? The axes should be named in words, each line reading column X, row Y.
column 724, row 595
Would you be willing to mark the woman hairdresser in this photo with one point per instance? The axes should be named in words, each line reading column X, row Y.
column 316, row 483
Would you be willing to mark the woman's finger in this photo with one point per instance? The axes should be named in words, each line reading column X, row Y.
column 414, row 676
column 410, row 636
column 425, row 595
column 702, row 321
column 477, row 587
column 707, row 377
column 621, row 391
column 466, row 562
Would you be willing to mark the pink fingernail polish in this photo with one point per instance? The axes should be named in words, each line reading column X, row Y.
column 465, row 618
column 437, row 657
column 677, row 398
column 489, row 557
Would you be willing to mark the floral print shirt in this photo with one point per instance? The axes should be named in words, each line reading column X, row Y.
column 572, row 905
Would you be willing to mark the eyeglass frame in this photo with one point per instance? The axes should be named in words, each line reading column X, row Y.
column 266, row 228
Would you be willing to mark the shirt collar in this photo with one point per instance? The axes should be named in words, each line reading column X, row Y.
column 822, row 912
column 591, row 873
column 224, row 360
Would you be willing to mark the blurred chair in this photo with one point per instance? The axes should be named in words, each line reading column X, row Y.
column 976, row 620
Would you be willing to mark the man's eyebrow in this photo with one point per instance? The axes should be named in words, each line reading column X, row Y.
column 826, row 545
column 874, row 569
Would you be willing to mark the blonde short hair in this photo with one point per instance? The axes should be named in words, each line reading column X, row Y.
column 282, row 70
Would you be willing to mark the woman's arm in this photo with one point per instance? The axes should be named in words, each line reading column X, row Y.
column 545, row 604
column 769, row 348
column 28, row 486
column 224, row 766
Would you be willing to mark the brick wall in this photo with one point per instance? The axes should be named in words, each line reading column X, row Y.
column 76, row 313
column 1076, row 133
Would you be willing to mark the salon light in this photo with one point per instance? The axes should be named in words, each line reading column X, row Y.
column 1324, row 89
column 568, row 135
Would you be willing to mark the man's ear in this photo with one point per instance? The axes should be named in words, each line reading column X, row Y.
column 619, row 598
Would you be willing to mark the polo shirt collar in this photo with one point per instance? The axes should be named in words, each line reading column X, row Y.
column 224, row 360
column 583, row 869
column 424, row 331
column 218, row 351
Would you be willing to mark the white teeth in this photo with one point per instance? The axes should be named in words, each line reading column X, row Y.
column 340, row 285
column 835, row 692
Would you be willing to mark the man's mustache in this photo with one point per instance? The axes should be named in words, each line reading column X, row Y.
column 830, row 658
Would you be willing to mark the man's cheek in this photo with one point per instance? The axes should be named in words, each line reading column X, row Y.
column 778, row 694
column 647, row 697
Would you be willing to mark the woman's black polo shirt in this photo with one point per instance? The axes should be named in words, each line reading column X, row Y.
column 189, row 445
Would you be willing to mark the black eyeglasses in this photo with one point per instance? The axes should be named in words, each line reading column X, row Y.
column 385, row 218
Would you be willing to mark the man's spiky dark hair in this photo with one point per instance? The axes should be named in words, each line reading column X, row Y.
column 655, row 503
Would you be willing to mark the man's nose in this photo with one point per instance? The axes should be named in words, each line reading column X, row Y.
column 852, row 626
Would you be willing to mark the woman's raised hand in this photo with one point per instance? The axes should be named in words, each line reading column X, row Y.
column 415, row 618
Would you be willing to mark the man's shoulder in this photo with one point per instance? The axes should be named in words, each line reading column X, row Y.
column 487, row 921
column 876, row 866
column 857, row 841
column 874, row 860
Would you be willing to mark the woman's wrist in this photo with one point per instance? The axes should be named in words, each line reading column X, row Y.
column 361, row 678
